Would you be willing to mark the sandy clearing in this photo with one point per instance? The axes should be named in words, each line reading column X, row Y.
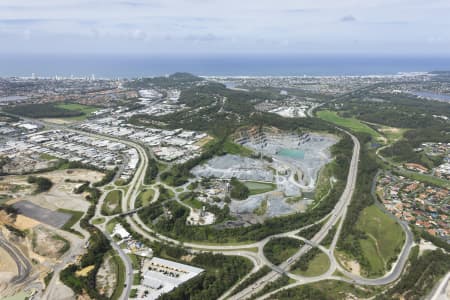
column 24, row 223
column 47, row 243
column 390, row 129
column 85, row 271
column 106, row 277
column 354, row 267
column 61, row 194
column 8, row 267
column 350, row 265
column 204, row 141
column 56, row 121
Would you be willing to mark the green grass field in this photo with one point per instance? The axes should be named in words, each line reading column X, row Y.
column 371, row 253
column 75, row 217
column 111, row 224
column 385, row 240
column 233, row 148
column 348, row 123
column 46, row 156
column 98, row 221
column 111, row 205
column 317, row 266
column 323, row 182
column 391, row 133
column 259, row 187
column 144, row 197
column 433, row 180
column 194, row 203
column 120, row 275
column 333, row 289
column 85, row 109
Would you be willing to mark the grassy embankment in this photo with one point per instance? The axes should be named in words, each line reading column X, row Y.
column 144, row 198
column 317, row 265
column 352, row 124
column 119, row 268
column 328, row 289
column 86, row 110
column 75, row 216
column 233, row 148
column 385, row 238
column 259, row 187
column 111, row 205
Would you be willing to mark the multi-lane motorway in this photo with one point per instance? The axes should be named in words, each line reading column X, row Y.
column 337, row 216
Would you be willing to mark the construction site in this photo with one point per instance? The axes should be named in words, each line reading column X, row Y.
column 38, row 234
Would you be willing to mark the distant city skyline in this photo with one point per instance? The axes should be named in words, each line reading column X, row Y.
column 385, row 27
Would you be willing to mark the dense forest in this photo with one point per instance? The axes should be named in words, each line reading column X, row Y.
column 222, row 272
column 238, row 190
column 404, row 150
column 422, row 274
column 176, row 80
column 97, row 249
column 394, row 110
column 43, row 184
column 416, row 115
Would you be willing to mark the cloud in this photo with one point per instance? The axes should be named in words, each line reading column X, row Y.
column 138, row 34
column 224, row 26
column 138, row 4
column 202, row 37
column 22, row 22
column 348, row 18
column 299, row 10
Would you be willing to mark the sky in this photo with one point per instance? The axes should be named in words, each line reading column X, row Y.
column 377, row 27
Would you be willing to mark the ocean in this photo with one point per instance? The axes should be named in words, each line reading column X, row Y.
column 130, row 66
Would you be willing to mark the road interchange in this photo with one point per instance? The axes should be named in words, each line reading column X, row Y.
column 337, row 216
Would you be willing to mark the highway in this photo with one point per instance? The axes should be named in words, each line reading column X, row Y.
column 338, row 213
column 23, row 265
column 131, row 192
column 337, row 216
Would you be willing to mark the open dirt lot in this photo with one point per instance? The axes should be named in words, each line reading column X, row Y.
column 46, row 243
column 23, row 223
column 57, row 121
column 61, row 194
column 47, row 216
column 106, row 276
column 8, row 268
